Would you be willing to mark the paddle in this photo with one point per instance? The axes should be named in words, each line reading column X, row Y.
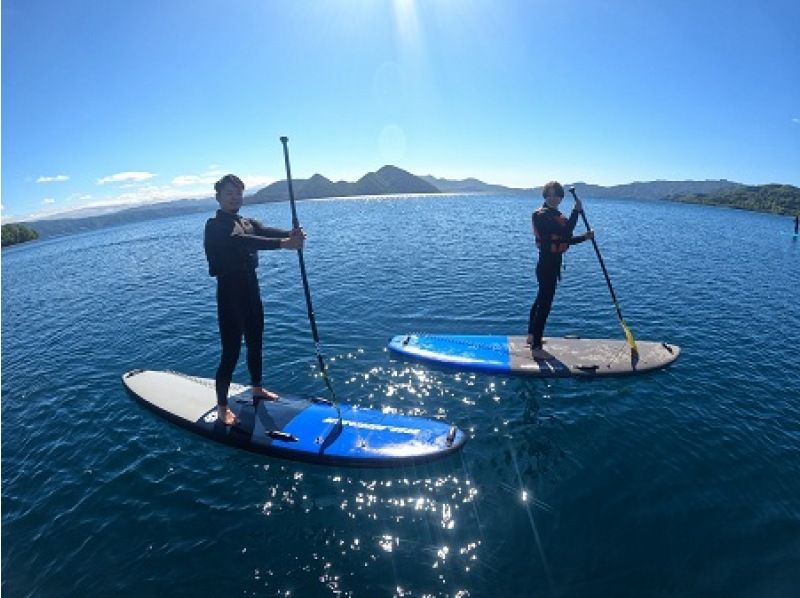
column 628, row 333
column 296, row 224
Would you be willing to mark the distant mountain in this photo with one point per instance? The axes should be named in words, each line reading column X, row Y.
column 388, row 180
column 637, row 190
column 88, row 212
column 776, row 199
column 53, row 227
column 385, row 181
column 391, row 179
column 652, row 189
column 469, row 185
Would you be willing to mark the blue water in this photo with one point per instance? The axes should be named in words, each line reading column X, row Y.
column 685, row 482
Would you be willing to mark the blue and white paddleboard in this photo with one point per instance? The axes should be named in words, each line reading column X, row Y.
column 293, row 427
column 512, row 355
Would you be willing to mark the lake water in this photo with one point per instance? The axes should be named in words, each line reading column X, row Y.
column 684, row 482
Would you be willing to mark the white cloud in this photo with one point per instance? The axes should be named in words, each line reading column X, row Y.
column 208, row 178
column 254, row 181
column 59, row 178
column 131, row 189
column 186, row 180
column 78, row 197
column 143, row 195
column 146, row 195
column 126, row 177
column 796, row 120
column 48, row 201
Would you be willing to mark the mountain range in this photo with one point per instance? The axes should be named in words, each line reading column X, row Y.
column 388, row 180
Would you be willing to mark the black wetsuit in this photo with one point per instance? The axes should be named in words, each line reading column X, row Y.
column 231, row 244
column 553, row 236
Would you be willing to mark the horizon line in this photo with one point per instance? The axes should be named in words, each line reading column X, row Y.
column 117, row 207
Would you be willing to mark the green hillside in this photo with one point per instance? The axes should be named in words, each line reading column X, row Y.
column 778, row 199
column 17, row 233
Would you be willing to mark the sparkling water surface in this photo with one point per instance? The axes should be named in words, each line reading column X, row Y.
column 683, row 482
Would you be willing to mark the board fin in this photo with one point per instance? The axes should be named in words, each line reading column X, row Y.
column 451, row 435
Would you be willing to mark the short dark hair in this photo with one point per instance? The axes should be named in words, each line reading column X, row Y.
column 551, row 188
column 231, row 179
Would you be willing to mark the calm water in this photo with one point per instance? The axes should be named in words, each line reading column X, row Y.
column 685, row 482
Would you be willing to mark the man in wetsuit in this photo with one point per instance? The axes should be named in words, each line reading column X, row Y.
column 231, row 243
column 553, row 235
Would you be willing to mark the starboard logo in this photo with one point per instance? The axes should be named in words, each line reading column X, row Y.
column 368, row 426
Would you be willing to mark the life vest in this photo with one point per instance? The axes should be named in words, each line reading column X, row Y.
column 556, row 243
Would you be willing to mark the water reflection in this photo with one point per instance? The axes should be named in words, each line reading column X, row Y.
column 432, row 517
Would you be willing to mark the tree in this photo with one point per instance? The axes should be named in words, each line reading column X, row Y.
column 17, row 233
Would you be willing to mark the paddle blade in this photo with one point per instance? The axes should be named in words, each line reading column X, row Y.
column 629, row 337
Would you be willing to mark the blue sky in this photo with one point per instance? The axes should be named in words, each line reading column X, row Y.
column 120, row 101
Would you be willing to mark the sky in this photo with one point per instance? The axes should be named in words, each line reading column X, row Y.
column 119, row 101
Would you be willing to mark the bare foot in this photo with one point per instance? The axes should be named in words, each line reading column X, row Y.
column 226, row 416
column 540, row 354
column 263, row 393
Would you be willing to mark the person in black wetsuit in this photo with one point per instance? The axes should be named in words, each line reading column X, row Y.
column 231, row 244
column 553, row 235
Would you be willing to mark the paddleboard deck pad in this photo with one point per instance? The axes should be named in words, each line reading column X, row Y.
column 299, row 428
column 512, row 355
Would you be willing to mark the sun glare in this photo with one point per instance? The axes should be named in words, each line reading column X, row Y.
column 405, row 13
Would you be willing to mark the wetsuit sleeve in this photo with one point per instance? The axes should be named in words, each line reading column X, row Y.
column 578, row 239
column 573, row 220
column 269, row 232
column 255, row 241
column 220, row 238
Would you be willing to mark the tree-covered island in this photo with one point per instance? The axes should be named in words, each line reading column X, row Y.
column 777, row 199
column 17, row 233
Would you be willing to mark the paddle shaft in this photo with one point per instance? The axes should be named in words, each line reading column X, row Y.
column 309, row 306
column 628, row 333
column 602, row 265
